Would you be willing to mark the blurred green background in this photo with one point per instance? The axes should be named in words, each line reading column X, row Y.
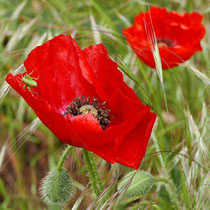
column 177, row 154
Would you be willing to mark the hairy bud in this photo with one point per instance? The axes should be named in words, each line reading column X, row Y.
column 56, row 186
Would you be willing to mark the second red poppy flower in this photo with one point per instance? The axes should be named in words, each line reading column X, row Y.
column 178, row 36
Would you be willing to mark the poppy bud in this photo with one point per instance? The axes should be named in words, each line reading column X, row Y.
column 56, row 186
column 140, row 184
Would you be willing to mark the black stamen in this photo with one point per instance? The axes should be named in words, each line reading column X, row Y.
column 99, row 110
column 166, row 41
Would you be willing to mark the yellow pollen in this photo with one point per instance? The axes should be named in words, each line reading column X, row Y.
column 162, row 44
column 88, row 109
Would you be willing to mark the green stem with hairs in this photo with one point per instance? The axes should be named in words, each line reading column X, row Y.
column 92, row 172
column 96, row 174
column 63, row 157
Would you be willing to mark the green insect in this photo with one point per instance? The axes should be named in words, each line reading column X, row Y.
column 29, row 81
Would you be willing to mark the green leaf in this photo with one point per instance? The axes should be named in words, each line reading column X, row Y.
column 141, row 183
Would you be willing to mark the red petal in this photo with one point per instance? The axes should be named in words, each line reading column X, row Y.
column 106, row 152
column 99, row 70
column 54, row 121
column 123, row 107
column 57, row 65
column 102, row 72
column 131, row 114
column 87, row 130
column 133, row 147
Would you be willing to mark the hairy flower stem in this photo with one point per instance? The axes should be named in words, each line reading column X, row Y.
column 63, row 157
column 92, row 172
column 96, row 174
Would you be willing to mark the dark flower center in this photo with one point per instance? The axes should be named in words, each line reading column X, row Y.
column 164, row 42
column 85, row 105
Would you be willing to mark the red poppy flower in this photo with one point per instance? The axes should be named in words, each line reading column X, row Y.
column 81, row 97
column 178, row 36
